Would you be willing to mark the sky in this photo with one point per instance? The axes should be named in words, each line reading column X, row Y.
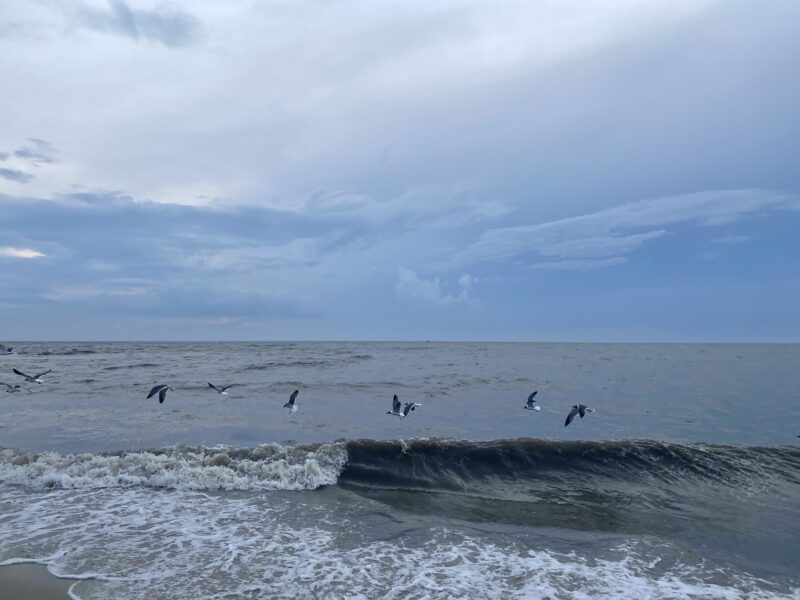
column 604, row 170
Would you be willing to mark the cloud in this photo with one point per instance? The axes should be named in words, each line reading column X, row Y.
column 732, row 239
column 580, row 265
column 466, row 281
column 147, row 297
column 169, row 26
column 608, row 233
column 15, row 175
column 10, row 252
column 410, row 285
column 38, row 152
column 34, row 154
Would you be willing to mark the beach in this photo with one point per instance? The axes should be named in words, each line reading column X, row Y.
column 31, row 581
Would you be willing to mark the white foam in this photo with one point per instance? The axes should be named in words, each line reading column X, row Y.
column 268, row 467
column 142, row 543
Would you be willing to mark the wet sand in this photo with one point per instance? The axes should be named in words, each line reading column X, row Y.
column 29, row 581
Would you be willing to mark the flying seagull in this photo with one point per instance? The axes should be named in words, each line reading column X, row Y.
column 161, row 390
column 291, row 403
column 15, row 388
column 35, row 378
column 395, row 408
column 578, row 409
column 6, row 349
column 409, row 407
column 531, row 403
column 223, row 390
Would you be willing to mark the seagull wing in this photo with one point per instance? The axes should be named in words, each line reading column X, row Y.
column 20, row 373
column 211, row 385
column 227, row 387
column 532, row 396
column 571, row 415
column 409, row 407
column 162, row 395
column 396, row 404
column 45, row 373
column 582, row 410
column 293, row 397
column 155, row 390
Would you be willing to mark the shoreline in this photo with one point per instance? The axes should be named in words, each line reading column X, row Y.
column 32, row 580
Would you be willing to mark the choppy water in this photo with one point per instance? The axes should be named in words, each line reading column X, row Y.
column 684, row 482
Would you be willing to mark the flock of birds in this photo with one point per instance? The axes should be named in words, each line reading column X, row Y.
column 398, row 409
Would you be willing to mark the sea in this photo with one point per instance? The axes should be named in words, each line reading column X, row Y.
column 684, row 481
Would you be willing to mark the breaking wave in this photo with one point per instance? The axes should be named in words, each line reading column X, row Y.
column 499, row 469
column 267, row 467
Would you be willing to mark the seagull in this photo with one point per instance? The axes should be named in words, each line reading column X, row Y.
column 291, row 403
column 395, row 408
column 578, row 409
column 33, row 379
column 529, row 405
column 15, row 388
column 161, row 390
column 409, row 407
column 223, row 391
column 6, row 349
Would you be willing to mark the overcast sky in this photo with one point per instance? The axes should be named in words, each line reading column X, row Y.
column 517, row 170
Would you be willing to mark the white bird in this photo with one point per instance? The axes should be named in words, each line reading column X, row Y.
column 531, row 403
column 33, row 379
column 578, row 409
column 15, row 388
column 6, row 349
column 395, row 408
column 161, row 390
column 291, row 403
column 223, row 391
column 409, row 407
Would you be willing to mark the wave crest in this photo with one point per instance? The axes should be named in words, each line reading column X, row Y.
column 266, row 467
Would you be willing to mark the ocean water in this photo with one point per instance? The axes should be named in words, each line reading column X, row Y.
column 683, row 483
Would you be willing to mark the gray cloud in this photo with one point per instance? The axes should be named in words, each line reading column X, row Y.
column 606, row 234
column 169, row 26
column 38, row 152
column 111, row 254
column 412, row 286
column 15, row 175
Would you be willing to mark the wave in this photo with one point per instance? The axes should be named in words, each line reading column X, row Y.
column 70, row 352
column 531, row 470
column 135, row 366
column 266, row 467
column 308, row 363
column 503, row 469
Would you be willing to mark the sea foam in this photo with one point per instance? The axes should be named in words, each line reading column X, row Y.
column 267, row 467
